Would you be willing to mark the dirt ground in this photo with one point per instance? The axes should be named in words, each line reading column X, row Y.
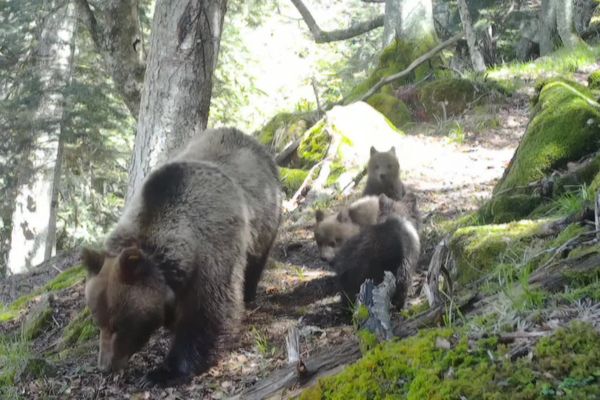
column 449, row 178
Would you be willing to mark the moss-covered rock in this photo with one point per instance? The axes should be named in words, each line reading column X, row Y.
column 395, row 58
column 292, row 179
column 565, row 127
column 565, row 365
column 447, row 97
column 477, row 249
column 284, row 128
column 392, row 108
column 314, row 145
column 505, row 208
column 593, row 80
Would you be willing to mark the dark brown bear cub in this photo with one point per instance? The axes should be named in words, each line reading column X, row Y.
column 383, row 175
column 189, row 247
column 391, row 245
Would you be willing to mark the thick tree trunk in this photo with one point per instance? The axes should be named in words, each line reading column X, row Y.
column 557, row 25
column 115, row 29
column 565, row 23
column 178, row 81
column 33, row 231
column 465, row 17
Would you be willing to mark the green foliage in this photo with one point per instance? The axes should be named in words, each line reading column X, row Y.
column 564, row 364
column 594, row 80
column 14, row 353
column 313, row 147
column 284, row 128
column 292, row 179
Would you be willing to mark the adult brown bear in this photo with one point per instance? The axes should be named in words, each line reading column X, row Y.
column 190, row 245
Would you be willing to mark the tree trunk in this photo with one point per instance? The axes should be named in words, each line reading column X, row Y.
column 557, row 25
column 465, row 17
column 178, row 81
column 583, row 10
column 33, row 231
column 116, row 32
column 565, row 24
column 547, row 27
column 392, row 23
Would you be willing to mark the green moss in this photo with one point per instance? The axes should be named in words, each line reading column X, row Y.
column 565, row 127
column 62, row 281
column 447, row 97
column 367, row 340
column 477, row 248
column 593, row 80
column 14, row 353
column 313, row 147
column 415, row 309
column 392, row 108
column 566, row 364
column 285, row 127
column 337, row 169
column 395, row 58
column 505, row 207
column 80, row 329
column 292, row 179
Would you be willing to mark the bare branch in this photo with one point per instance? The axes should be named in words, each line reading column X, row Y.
column 321, row 36
column 425, row 57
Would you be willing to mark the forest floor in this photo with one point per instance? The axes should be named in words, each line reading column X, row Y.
column 450, row 178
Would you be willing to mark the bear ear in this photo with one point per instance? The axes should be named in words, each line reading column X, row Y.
column 93, row 260
column 392, row 150
column 130, row 264
column 320, row 216
column 343, row 216
column 373, row 150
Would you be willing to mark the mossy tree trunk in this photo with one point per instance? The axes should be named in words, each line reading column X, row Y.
column 178, row 82
column 410, row 20
column 557, row 25
column 33, row 222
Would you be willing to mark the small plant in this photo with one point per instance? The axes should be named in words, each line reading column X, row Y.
column 457, row 134
column 261, row 341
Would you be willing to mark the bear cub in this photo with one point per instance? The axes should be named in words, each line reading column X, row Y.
column 383, row 175
column 332, row 231
column 188, row 249
column 392, row 244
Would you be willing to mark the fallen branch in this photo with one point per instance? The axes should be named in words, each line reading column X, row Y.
column 420, row 60
column 437, row 265
column 321, row 36
column 324, row 364
column 554, row 277
column 303, row 189
column 282, row 158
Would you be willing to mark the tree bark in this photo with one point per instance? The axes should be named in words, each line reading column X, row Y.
column 565, row 24
column 321, row 36
column 393, row 21
column 33, row 228
column 465, row 17
column 116, row 32
column 557, row 25
column 178, row 82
